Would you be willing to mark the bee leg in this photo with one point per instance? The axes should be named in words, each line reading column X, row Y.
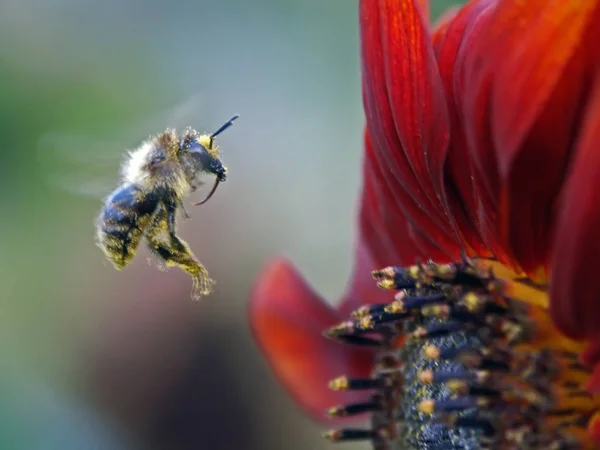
column 176, row 252
column 185, row 214
column 202, row 282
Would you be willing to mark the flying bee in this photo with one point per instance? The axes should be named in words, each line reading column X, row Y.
column 157, row 177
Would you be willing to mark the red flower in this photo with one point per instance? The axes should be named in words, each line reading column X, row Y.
column 483, row 141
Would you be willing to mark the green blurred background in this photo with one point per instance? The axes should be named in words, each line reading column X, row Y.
column 96, row 359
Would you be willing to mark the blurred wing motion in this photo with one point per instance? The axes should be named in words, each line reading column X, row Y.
column 85, row 166
column 79, row 164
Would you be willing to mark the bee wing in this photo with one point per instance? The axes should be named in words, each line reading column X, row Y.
column 86, row 166
column 79, row 164
column 185, row 113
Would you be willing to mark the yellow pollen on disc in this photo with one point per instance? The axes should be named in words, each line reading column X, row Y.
column 386, row 284
column 426, row 376
column 427, row 406
column 569, row 381
column 361, row 312
column 335, row 411
column 431, row 352
column 366, row 323
column 457, row 386
column 394, row 307
column 477, row 336
column 472, row 301
column 339, row 384
column 516, row 285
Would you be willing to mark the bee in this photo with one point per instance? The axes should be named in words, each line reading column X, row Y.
column 157, row 177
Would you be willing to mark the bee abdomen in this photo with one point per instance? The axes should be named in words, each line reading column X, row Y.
column 119, row 242
column 122, row 221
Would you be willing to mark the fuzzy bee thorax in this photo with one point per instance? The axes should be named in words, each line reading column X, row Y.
column 155, row 157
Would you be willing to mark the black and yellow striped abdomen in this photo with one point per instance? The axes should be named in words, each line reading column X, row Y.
column 122, row 221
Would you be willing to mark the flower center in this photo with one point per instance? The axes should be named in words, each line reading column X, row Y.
column 466, row 358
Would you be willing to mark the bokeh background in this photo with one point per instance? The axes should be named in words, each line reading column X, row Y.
column 91, row 358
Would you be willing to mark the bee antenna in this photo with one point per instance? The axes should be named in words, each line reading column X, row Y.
column 210, row 194
column 223, row 128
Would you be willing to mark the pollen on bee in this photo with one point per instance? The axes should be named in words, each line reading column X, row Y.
column 468, row 374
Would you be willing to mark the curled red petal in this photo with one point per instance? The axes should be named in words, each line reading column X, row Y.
column 461, row 192
column 402, row 228
column 402, row 137
column 415, row 93
column 374, row 246
column 373, row 223
column 287, row 319
column 574, row 288
column 471, row 92
column 539, row 91
column 535, row 57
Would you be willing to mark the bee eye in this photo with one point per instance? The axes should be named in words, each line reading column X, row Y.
column 200, row 153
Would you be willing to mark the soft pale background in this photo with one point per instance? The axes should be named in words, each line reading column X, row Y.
column 95, row 359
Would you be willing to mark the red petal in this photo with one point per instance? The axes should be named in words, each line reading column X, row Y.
column 373, row 226
column 287, row 319
column 424, row 8
column 472, row 87
column 403, row 135
column 535, row 56
column 590, row 356
column 415, row 93
column 538, row 92
column 575, row 291
column 374, row 248
column 460, row 189
column 391, row 210
column 594, row 428
column 442, row 22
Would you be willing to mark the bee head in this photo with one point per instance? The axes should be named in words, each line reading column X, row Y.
column 201, row 150
column 220, row 170
column 202, row 159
